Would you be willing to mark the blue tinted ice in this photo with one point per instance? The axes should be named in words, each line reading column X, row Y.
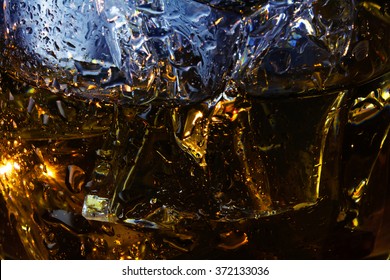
column 186, row 51
column 294, row 45
column 172, row 49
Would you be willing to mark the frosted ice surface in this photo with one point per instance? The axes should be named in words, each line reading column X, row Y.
column 186, row 51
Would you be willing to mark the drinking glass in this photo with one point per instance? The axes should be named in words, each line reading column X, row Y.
column 167, row 129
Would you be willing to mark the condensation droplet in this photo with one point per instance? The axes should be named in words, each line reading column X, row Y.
column 29, row 30
column 153, row 200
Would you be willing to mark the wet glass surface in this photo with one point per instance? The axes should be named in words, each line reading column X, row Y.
column 162, row 129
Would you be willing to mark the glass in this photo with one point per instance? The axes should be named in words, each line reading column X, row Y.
column 194, row 129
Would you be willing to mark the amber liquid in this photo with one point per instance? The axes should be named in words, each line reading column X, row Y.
column 284, row 178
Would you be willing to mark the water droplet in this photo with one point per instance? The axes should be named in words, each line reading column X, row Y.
column 29, row 30
column 153, row 200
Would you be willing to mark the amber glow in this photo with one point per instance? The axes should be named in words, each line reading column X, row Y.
column 6, row 168
column 48, row 170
